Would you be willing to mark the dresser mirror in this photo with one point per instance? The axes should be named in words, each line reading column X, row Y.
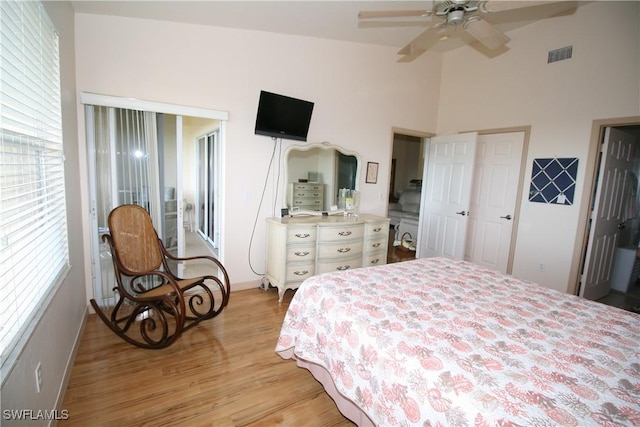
column 329, row 166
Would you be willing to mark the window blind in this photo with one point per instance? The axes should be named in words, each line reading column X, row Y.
column 33, row 227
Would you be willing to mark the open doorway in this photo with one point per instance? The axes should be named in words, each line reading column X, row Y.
column 135, row 155
column 610, row 269
column 405, row 185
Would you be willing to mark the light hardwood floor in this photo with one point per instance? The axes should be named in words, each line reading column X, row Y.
column 223, row 372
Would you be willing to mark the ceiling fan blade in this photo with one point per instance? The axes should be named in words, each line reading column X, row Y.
column 383, row 24
column 485, row 33
column 491, row 6
column 376, row 14
column 421, row 44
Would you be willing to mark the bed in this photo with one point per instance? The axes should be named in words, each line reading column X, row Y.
column 442, row 342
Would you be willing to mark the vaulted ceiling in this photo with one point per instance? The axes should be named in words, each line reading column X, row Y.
column 329, row 19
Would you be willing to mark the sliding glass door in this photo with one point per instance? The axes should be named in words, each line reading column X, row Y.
column 129, row 151
column 135, row 154
column 208, row 182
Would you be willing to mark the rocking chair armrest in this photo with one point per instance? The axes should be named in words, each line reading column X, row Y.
column 227, row 282
column 197, row 257
column 215, row 260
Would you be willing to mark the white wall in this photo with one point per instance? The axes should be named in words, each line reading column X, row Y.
column 53, row 339
column 560, row 101
column 360, row 93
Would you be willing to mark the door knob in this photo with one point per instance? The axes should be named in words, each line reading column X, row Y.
column 507, row 217
column 463, row 213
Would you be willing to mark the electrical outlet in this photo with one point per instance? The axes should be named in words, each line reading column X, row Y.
column 541, row 267
column 38, row 377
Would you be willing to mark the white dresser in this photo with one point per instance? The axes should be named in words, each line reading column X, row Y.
column 306, row 195
column 300, row 247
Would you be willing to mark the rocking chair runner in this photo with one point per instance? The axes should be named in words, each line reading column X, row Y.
column 154, row 305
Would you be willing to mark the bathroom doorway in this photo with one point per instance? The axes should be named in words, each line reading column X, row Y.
column 609, row 263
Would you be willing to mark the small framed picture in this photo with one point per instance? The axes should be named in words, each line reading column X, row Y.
column 372, row 173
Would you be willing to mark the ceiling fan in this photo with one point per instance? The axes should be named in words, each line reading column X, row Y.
column 464, row 14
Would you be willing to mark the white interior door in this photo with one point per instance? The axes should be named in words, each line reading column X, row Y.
column 446, row 196
column 493, row 199
column 607, row 216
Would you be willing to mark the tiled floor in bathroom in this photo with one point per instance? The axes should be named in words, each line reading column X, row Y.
column 627, row 301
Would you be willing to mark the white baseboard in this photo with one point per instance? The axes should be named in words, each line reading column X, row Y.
column 69, row 366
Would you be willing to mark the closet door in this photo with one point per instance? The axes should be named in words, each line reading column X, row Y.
column 494, row 193
column 444, row 210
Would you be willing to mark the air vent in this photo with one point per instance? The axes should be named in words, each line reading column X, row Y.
column 560, row 54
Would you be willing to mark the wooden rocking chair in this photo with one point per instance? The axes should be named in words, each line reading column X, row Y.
column 155, row 306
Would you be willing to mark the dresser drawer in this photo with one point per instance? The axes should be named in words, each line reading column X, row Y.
column 376, row 244
column 377, row 229
column 345, row 249
column 307, row 186
column 375, row 258
column 301, row 234
column 301, row 253
column 339, row 265
column 315, row 203
column 307, row 194
column 297, row 187
column 299, row 272
column 340, row 232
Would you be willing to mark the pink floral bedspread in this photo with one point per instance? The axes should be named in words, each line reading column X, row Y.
column 442, row 342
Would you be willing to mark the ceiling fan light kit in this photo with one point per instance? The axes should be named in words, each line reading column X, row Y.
column 465, row 14
column 485, row 33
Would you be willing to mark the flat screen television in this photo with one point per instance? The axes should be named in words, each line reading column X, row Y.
column 281, row 116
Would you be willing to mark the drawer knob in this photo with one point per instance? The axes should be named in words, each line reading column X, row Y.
column 344, row 233
column 343, row 267
column 303, row 235
column 377, row 229
column 376, row 245
column 344, row 250
column 375, row 261
column 303, row 253
column 301, row 273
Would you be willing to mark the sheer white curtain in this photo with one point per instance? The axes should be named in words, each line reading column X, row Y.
column 125, row 170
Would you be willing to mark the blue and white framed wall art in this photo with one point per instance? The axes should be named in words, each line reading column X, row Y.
column 553, row 181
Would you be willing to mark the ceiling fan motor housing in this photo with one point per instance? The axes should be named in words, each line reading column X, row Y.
column 444, row 7
column 455, row 17
column 454, row 10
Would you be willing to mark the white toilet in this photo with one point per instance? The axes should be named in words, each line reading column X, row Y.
column 625, row 269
